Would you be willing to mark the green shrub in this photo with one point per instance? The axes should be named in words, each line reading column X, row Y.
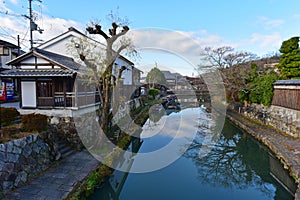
column 34, row 122
column 153, row 92
column 8, row 115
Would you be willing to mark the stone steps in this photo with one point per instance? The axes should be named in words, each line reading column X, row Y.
column 65, row 149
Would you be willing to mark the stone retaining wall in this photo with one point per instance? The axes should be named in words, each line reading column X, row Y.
column 284, row 119
column 22, row 159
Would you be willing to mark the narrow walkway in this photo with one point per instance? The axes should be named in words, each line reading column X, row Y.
column 286, row 148
column 10, row 105
column 57, row 182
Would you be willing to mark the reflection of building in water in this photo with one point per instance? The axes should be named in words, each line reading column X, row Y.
column 280, row 175
column 116, row 182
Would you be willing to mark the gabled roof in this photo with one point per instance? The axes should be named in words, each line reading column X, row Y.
column 56, row 59
column 71, row 31
column 65, row 34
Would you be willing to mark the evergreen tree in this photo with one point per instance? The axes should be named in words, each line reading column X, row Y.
column 289, row 64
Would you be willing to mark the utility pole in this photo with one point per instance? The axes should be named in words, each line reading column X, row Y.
column 19, row 48
column 30, row 24
column 33, row 26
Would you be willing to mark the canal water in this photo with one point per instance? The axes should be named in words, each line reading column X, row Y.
column 235, row 167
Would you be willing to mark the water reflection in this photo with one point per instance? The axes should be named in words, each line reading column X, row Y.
column 238, row 167
column 239, row 162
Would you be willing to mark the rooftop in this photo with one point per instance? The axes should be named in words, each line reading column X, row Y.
column 287, row 82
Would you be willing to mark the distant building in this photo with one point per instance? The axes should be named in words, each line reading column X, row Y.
column 8, row 51
column 8, row 86
column 172, row 79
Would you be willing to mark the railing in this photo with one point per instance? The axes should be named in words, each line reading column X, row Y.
column 68, row 99
column 87, row 98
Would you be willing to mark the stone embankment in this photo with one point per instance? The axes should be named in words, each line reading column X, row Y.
column 285, row 148
column 21, row 160
column 283, row 119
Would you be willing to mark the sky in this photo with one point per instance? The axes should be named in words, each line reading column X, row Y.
column 169, row 34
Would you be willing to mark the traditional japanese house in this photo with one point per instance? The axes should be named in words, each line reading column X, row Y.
column 49, row 78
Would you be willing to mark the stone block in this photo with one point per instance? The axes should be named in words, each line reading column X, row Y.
column 18, row 167
column 12, row 158
column 31, row 162
column 3, row 176
column 1, row 164
column 12, row 177
column 8, row 167
column 7, row 186
column 27, row 151
column 34, row 137
column 20, row 142
column 3, row 156
column 39, row 142
column 20, row 179
column 29, row 139
column 36, row 148
column 17, row 150
column 9, row 147
column 3, row 147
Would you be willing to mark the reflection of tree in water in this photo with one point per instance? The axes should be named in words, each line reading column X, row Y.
column 156, row 112
column 236, row 161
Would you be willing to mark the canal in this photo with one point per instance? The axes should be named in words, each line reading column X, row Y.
column 235, row 167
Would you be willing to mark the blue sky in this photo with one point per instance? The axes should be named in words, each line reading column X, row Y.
column 258, row 26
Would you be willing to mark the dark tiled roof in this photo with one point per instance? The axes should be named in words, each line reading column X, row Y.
column 63, row 60
column 8, row 44
column 37, row 73
column 287, row 82
column 168, row 75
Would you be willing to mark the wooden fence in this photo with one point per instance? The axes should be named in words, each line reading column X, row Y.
column 288, row 98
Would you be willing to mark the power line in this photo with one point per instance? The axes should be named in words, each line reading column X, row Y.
column 10, row 14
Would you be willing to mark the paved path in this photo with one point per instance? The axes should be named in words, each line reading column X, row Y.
column 286, row 148
column 57, row 182
column 10, row 105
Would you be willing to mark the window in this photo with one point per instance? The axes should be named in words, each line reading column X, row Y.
column 44, row 89
column 59, row 86
column 4, row 51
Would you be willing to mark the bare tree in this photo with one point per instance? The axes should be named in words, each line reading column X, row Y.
column 101, row 64
column 228, row 63
column 223, row 57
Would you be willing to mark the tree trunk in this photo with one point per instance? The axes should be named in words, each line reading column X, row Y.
column 105, row 119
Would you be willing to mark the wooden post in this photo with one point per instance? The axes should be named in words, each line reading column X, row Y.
column 53, row 92
column 65, row 90
column 76, row 95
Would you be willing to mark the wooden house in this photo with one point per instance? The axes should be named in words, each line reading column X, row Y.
column 48, row 78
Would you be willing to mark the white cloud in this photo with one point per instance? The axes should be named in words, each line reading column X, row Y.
column 266, row 41
column 14, row 1
column 180, row 42
column 296, row 15
column 54, row 26
column 268, row 23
